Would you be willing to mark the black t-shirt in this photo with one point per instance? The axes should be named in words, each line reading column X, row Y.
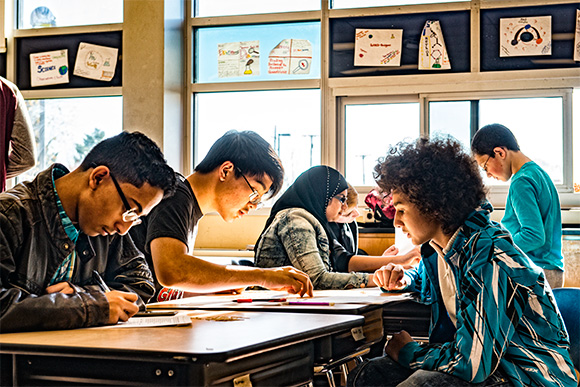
column 175, row 217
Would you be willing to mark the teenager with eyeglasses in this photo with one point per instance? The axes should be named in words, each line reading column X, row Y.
column 59, row 228
column 298, row 230
column 532, row 210
column 240, row 169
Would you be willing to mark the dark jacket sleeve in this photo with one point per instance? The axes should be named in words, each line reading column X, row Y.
column 22, row 309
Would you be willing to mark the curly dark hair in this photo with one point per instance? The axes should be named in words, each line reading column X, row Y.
column 437, row 176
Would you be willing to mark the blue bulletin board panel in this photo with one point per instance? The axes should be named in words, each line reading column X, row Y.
column 456, row 34
column 563, row 26
column 29, row 45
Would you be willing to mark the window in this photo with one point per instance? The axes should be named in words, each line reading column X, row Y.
column 67, row 128
column 247, row 53
column 537, row 123
column 65, row 13
column 236, row 7
column 382, row 3
column 369, row 131
column 287, row 119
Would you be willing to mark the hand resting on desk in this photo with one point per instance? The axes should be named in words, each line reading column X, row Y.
column 288, row 279
column 390, row 277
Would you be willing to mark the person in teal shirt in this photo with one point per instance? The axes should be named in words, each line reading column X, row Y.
column 532, row 211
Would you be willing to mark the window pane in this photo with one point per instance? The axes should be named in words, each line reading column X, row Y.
column 576, row 140
column 65, row 13
column 451, row 118
column 287, row 119
column 237, row 7
column 370, row 130
column 382, row 3
column 245, row 53
column 66, row 129
column 537, row 124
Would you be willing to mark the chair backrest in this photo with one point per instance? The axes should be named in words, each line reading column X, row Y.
column 568, row 300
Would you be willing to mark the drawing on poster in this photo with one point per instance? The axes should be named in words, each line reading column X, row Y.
column 432, row 51
column 525, row 36
column 237, row 59
column 291, row 56
column 378, row 47
column 577, row 37
column 96, row 62
column 49, row 68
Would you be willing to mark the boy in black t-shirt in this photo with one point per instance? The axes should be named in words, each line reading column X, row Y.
column 239, row 169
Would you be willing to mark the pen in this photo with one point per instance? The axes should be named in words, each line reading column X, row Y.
column 100, row 282
column 311, row 303
column 241, row 300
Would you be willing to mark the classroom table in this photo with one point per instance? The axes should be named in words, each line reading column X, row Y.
column 219, row 348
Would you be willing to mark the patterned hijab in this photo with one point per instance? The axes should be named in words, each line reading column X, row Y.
column 312, row 191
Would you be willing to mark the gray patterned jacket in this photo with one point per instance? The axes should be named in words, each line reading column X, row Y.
column 297, row 238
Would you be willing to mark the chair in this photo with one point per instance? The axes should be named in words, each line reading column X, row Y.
column 568, row 300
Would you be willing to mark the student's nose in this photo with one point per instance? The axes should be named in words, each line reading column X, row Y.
column 397, row 221
column 124, row 227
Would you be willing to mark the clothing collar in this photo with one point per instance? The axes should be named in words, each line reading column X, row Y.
column 71, row 230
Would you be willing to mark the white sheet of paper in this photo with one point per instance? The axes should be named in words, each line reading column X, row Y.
column 525, row 36
column 403, row 243
column 49, row 68
column 378, row 47
column 237, row 59
column 147, row 322
column 290, row 56
column 577, row 37
column 96, row 62
column 432, row 51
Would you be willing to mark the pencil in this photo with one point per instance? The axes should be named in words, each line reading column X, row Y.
column 311, row 303
column 100, row 282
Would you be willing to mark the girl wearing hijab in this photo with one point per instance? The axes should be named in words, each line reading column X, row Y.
column 297, row 232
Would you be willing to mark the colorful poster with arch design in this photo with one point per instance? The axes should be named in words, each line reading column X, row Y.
column 378, row 47
column 525, row 36
column 432, row 51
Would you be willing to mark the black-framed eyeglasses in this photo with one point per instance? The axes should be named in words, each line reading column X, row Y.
column 341, row 198
column 254, row 198
column 129, row 216
column 484, row 167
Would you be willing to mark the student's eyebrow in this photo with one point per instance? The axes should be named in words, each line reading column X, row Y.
column 261, row 183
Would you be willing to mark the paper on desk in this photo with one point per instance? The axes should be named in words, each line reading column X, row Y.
column 146, row 322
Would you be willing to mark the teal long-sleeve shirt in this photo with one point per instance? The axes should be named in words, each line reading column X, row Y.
column 506, row 314
column 533, row 217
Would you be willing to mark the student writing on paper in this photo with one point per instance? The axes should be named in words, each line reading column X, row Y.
column 532, row 211
column 503, row 325
column 59, row 228
column 298, row 233
column 238, row 171
column 346, row 255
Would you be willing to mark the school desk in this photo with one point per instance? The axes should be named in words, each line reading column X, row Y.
column 230, row 348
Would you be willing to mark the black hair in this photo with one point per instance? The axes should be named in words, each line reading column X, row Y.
column 135, row 159
column 249, row 152
column 437, row 176
column 491, row 136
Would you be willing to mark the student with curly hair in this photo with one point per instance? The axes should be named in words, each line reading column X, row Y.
column 503, row 325
column 532, row 209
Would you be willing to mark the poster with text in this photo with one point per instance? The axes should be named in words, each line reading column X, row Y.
column 377, row 47
column 577, row 37
column 238, row 59
column 96, row 62
column 525, row 36
column 290, row 56
column 48, row 68
column 432, row 51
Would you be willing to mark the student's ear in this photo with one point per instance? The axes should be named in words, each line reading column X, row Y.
column 500, row 151
column 224, row 169
column 97, row 175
